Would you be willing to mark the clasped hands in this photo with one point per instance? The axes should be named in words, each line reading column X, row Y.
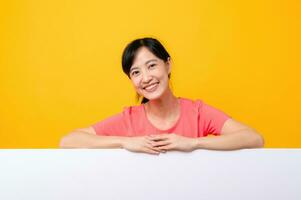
column 156, row 144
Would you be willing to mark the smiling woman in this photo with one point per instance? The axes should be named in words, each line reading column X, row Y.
column 162, row 122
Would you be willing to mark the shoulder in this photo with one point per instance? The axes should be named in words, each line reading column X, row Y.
column 200, row 107
column 119, row 124
column 191, row 104
column 135, row 110
column 127, row 113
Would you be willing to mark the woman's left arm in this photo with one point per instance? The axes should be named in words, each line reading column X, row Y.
column 234, row 135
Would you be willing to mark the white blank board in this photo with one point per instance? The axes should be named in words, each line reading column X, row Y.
column 105, row 174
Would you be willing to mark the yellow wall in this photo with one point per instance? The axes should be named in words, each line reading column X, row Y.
column 60, row 63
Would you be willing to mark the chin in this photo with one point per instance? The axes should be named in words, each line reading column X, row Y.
column 154, row 96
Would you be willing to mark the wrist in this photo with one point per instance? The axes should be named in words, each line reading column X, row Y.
column 123, row 142
column 198, row 144
column 195, row 143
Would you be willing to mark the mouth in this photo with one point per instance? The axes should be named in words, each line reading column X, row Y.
column 151, row 87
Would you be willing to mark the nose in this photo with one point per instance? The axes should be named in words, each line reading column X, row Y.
column 146, row 77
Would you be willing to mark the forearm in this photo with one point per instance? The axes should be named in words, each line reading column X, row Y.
column 79, row 139
column 242, row 139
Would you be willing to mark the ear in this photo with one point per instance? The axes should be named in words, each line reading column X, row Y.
column 168, row 63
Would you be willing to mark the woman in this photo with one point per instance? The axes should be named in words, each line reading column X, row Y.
column 162, row 122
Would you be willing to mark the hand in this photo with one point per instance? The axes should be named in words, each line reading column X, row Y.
column 165, row 142
column 141, row 144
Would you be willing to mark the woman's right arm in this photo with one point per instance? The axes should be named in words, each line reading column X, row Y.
column 87, row 138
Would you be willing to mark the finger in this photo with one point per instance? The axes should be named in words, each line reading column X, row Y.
column 166, row 147
column 161, row 143
column 159, row 137
column 151, row 136
column 151, row 151
column 153, row 142
column 150, row 146
column 150, row 142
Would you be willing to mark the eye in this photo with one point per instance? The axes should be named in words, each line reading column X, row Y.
column 152, row 65
column 135, row 73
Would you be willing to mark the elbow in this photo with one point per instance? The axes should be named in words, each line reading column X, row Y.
column 258, row 140
column 66, row 141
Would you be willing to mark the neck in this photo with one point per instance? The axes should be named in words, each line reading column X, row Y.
column 164, row 107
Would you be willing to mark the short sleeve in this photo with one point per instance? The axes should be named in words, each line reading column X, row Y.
column 112, row 126
column 211, row 119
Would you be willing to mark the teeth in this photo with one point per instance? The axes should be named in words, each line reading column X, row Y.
column 151, row 86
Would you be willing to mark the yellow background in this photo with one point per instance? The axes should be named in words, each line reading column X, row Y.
column 60, row 63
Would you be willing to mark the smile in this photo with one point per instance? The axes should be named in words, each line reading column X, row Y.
column 152, row 87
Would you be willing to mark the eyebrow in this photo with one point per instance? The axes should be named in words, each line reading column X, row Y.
column 144, row 63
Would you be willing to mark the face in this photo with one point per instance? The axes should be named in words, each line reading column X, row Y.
column 149, row 74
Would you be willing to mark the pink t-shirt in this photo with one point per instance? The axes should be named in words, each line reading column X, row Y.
column 197, row 119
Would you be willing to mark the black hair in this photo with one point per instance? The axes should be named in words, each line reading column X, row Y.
column 129, row 54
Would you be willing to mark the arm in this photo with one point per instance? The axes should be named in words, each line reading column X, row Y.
column 87, row 138
column 234, row 135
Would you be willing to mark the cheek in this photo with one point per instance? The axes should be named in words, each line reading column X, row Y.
column 162, row 72
column 135, row 83
column 163, row 75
